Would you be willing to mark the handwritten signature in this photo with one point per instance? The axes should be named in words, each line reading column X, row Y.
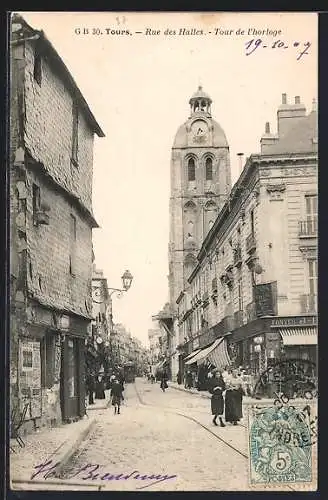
column 93, row 472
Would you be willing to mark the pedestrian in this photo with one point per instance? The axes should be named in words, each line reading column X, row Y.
column 233, row 399
column 100, row 388
column 116, row 396
column 179, row 378
column 164, row 380
column 217, row 387
column 188, row 380
column 90, row 386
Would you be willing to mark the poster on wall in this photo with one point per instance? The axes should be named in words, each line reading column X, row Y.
column 30, row 377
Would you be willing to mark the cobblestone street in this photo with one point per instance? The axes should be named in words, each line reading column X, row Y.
column 152, row 436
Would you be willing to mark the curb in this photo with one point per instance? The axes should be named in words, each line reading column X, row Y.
column 67, row 450
column 63, row 453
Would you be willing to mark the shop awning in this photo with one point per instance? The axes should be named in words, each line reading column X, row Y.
column 216, row 353
column 299, row 336
column 187, row 358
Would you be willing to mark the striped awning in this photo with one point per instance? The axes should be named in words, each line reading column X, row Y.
column 216, row 353
column 191, row 355
column 299, row 336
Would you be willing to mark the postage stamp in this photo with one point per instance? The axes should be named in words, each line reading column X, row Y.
column 282, row 442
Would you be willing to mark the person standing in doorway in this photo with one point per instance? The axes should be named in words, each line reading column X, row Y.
column 116, row 395
column 90, row 386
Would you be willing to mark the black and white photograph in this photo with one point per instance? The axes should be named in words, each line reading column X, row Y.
column 163, row 191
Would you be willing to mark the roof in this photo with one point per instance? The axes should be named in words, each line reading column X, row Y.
column 62, row 69
column 219, row 137
column 300, row 138
column 200, row 94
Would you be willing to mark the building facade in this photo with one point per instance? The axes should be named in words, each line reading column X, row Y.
column 256, row 276
column 51, row 222
column 200, row 184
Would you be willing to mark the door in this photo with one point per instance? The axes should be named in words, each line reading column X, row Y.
column 69, row 380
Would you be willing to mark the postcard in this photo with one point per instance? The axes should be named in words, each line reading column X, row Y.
column 163, row 251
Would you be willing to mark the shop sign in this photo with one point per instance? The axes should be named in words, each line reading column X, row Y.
column 64, row 322
column 294, row 321
column 266, row 299
column 30, row 377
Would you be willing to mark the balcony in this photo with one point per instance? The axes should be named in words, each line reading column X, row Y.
column 237, row 258
column 308, row 304
column 308, row 228
column 250, row 243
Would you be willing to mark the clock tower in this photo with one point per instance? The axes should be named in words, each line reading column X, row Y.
column 200, row 184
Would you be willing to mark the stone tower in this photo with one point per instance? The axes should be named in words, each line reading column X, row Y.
column 200, row 183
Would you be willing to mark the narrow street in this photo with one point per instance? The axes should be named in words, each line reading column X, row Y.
column 162, row 434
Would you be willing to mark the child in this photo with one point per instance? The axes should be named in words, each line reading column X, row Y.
column 116, row 395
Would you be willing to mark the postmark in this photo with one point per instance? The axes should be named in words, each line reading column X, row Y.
column 281, row 443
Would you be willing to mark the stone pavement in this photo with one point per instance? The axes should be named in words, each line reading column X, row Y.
column 56, row 443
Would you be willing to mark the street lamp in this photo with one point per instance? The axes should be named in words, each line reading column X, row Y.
column 97, row 295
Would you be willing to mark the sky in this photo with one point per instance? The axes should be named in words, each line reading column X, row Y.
column 138, row 87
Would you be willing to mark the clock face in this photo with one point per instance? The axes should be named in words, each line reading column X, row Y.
column 199, row 131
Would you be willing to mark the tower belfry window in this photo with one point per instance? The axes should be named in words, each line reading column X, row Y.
column 191, row 170
column 209, row 169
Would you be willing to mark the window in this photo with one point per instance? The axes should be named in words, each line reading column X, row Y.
column 311, row 208
column 37, row 70
column 252, row 222
column 36, row 199
column 191, row 170
column 209, row 169
column 240, row 294
column 73, row 245
column 48, row 360
column 313, row 276
column 75, row 130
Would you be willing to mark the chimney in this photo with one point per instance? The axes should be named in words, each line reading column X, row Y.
column 268, row 139
column 289, row 115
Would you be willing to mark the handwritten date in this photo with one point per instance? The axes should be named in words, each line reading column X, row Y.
column 254, row 44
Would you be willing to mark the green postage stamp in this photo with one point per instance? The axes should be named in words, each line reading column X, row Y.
column 282, row 440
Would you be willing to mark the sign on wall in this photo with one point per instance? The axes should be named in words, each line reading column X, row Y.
column 266, row 299
column 30, row 377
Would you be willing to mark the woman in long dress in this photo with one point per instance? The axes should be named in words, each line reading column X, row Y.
column 234, row 399
column 100, row 388
column 216, row 388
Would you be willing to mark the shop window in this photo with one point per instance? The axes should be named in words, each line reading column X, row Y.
column 48, row 360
